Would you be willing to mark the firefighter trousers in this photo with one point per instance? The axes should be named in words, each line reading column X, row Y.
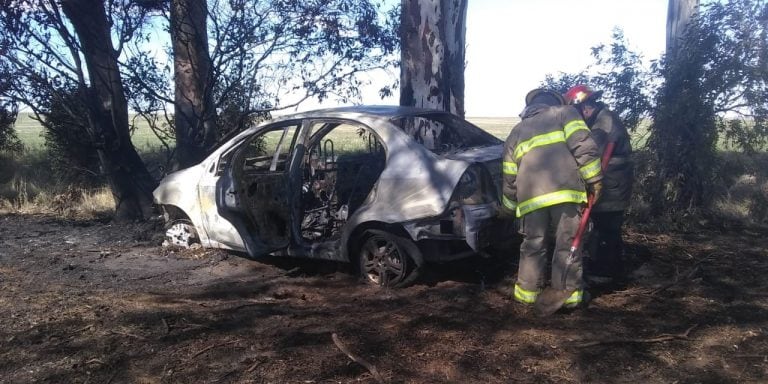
column 605, row 247
column 535, row 228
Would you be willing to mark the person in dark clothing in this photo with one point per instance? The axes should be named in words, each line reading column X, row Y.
column 605, row 254
column 549, row 162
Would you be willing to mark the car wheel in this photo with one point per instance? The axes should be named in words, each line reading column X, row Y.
column 388, row 260
column 181, row 233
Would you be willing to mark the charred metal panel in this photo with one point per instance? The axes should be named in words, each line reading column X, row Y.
column 417, row 184
column 175, row 191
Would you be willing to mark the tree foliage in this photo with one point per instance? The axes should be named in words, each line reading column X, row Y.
column 42, row 59
column 736, row 78
column 71, row 152
column 272, row 55
column 53, row 48
column 715, row 84
column 620, row 73
column 9, row 141
column 81, row 63
column 713, row 90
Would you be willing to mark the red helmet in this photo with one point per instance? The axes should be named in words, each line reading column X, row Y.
column 581, row 93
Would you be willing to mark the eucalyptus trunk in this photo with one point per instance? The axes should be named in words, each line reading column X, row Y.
column 683, row 132
column 679, row 14
column 128, row 177
column 433, row 36
column 194, row 117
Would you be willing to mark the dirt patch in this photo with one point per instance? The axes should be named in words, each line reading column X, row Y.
column 89, row 301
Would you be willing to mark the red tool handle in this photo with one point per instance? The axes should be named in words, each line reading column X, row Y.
column 591, row 201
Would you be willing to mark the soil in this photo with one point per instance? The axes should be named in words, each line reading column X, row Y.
column 90, row 301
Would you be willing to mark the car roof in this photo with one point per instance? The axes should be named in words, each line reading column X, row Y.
column 380, row 111
column 362, row 113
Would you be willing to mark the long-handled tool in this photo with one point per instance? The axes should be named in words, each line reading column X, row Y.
column 551, row 300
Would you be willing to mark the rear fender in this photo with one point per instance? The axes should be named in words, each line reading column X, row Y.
column 351, row 239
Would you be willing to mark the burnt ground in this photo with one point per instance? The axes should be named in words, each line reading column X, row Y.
column 86, row 301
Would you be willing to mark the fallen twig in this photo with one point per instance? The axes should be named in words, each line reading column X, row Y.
column 224, row 376
column 113, row 376
column 357, row 359
column 165, row 324
column 150, row 276
column 764, row 357
column 83, row 329
column 208, row 348
column 250, row 303
column 291, row 271
column 657, row 339
column 687, row 276
column 128, row 334
column 254, row 366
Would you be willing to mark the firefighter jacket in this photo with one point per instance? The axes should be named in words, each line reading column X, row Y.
column 548, row 157
column 606, row 127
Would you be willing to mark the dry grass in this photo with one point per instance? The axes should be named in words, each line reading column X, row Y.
column 21, row 196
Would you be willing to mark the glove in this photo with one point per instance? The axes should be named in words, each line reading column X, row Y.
column 595, row 189
column 505, row 213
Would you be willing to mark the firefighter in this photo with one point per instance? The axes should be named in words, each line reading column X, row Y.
column 550, row 162
column 605, row 260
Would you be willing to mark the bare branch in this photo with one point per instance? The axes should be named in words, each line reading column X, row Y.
column 357, row 359
column 657, row 339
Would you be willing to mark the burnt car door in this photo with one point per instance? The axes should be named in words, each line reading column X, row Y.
column 255, row 191
column 342, row 163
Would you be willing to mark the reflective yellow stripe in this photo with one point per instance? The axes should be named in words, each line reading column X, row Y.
column 549, row 199
column 525, row 296
column 538, row 141
column 573, row 126
column 510, row 168
column 590, row 170
column 510, row 204
column 575, row 297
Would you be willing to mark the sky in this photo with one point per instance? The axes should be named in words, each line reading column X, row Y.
column 513, row 44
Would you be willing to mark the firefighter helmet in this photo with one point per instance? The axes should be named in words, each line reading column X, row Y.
column 542, row 92
column 581, row 93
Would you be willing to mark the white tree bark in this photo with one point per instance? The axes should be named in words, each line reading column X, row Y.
column 433, row 34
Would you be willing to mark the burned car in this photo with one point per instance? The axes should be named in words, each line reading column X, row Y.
column 386, row 188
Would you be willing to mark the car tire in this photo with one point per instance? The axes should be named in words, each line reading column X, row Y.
column 388, row 260
column 181, row 233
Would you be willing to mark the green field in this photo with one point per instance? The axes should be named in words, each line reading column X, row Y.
column 30, row 131
column 497, row 126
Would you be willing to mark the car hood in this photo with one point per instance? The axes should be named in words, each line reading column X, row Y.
column 418, row 186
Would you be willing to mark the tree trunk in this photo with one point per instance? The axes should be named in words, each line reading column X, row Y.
column 126, row 173
column 683, row 132
column 679, row 14
column 194, row 112
column 433, row 35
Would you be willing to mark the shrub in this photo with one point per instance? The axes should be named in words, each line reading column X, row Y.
column 73, row 158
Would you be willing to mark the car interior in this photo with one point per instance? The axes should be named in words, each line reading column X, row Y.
column 340, row 168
